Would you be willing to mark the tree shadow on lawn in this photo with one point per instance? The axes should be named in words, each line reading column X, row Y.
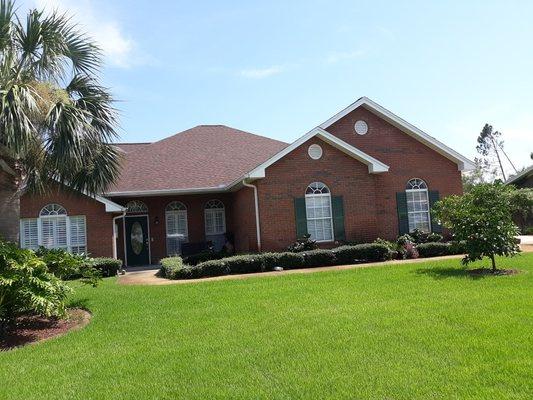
column 449, row 272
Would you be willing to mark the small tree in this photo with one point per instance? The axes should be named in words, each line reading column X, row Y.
column 482, row 218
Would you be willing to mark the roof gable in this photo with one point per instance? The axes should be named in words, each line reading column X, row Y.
column 374, row 166
column 463, row 163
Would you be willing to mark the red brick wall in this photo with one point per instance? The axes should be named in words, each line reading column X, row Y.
column 195, row 218
column 244, row 217
column 99, row 223
column 369, row 199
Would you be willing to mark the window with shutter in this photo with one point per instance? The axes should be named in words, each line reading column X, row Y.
column 29, row 233
column 418, row 205
column 318, row 212
column 78, row 236
column 215, row 218
column 176, row 225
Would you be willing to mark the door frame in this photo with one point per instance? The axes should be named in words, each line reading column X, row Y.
column 149, row 237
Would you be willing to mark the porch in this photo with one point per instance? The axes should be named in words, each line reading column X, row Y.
column 163, row 226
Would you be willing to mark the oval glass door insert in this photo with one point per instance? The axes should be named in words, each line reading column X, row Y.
column 137, row 238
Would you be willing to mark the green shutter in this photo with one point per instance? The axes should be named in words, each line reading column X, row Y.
column 433, row 198
column 337, row 208
column 301, row 217
column 403, row 220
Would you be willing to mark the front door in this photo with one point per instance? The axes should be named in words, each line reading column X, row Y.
column 137, row 240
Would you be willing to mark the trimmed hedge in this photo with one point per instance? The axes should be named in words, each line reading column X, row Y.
column 107, row 266
column 433, row 249
column 283, row 260
column 206, row 255
column 367, row 252
column 319, row 258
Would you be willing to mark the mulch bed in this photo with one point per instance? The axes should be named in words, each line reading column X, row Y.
column 32, row 328
column 490, row 272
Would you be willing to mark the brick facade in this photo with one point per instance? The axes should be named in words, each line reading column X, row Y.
column 99, row 223
column 369, row 200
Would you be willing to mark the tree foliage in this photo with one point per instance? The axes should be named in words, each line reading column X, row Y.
column 483, row 219
column 56, row 120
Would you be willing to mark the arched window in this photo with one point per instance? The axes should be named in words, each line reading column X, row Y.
column 318, row 212
column 136, row 206
column 215, row 218
column 416, row 192
column 176, row 225
column 54, row 229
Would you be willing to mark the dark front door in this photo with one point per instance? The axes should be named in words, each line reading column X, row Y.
column 137, row 240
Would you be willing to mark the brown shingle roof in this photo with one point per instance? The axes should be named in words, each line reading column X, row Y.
column 206, row 156
column 129, row 147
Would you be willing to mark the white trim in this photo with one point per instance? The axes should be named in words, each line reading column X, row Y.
column 519, row 176
column 162, row 192
column 374, row 166
column 110, row 206
column 463, row 163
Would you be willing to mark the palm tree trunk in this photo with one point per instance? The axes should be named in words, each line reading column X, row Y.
column 9, row 207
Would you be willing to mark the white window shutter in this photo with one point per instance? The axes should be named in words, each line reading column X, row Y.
column 29, row 235
column 78, row 234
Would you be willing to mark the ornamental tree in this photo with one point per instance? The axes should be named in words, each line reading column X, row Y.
column 483, row 219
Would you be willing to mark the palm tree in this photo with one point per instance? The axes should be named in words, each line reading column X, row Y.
column 56, row 120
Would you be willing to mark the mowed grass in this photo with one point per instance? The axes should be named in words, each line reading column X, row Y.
column 411, row 331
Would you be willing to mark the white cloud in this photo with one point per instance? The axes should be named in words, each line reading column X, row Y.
column 339, row 56
column 119, row 49
column 260, row 73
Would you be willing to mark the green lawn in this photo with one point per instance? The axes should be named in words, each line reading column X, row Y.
column 414, row 331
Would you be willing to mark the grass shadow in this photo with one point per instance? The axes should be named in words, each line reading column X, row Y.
column 448, row 272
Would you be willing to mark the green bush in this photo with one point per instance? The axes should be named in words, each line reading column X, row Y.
column 319, row 258
column 284, row 260
column 457, row 247
column 529, row 230
column 372, row 252
column 303, row 244
column 434, row 237
column 244, row 264
column 68, row 266
column 26, row 286
column 404, row 239
column 347, row 255
column 210, row 268
column 433, row 249
column 206, row 255
column 171, row 267
column 107, row 266
column 61, row 263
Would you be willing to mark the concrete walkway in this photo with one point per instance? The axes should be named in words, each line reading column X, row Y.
column 147, row 275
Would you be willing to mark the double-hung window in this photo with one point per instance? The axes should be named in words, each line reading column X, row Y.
column 318, row 212
column 176, row 223
column 418, row 205
column 215, row 218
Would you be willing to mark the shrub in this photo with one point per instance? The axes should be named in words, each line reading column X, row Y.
column 404, row 239
column 410, row 251
column 210, row 268
column 319, row 258
column 435, row 237
column 347, row 254
column 107, row 266
column 433, row 249
column 68, row 266
column 419, row 236
column 206, row 255
column 303, row 244
column 285, row 260
column 26, row 285
column 172, row 268
column 483, row 219
column 529, row 231
column 61, row 263
column 244, row 264
column 457, row 247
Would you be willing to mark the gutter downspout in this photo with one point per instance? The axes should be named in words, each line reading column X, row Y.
column 256, row 201
column 115, row 255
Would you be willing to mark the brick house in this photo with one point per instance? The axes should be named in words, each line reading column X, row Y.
column 362, row 174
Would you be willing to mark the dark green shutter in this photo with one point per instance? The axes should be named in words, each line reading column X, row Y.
column 433, row 198
column 403, row 219
column 301, row 218
column 337, row 208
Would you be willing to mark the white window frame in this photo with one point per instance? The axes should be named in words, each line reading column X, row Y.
column 51, row 212
column 315, row 195
column 180, row 210
column 210, row 208
column 418, row 182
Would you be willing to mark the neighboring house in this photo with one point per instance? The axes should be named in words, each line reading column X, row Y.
column 523, row 180
column 362, row 174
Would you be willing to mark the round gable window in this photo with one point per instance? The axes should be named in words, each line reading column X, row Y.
column 315, row 151
column 361, row 128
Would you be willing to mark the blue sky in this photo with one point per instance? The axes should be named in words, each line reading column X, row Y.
column 279, row 68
